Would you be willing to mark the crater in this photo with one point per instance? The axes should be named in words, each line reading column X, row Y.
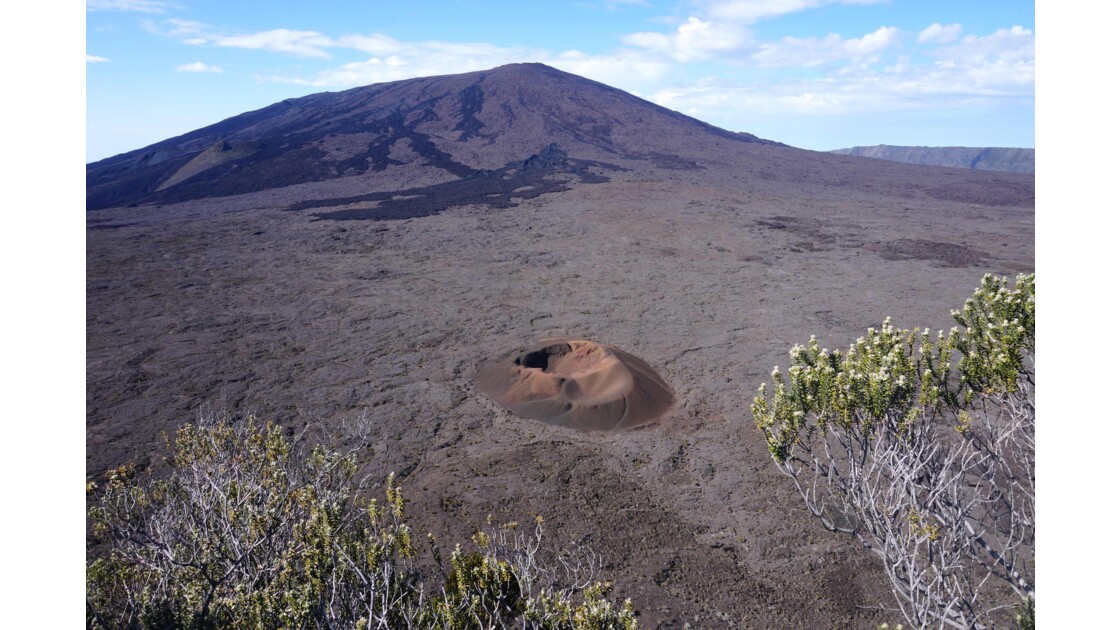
column 579, row 384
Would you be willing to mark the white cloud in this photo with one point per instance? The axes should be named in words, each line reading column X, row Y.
column 1008, row 46
column 864, row 74
column 622, row 69
column 178, row 28
column 390, row 59
column 979, row 71
column 394, row 60
column 95, row 59
column 720, row 29
column 993, row 72
column 376, row 44
column 198, row 66
column 749, row 11
column 718, row 102
column 372, row 70
column 186, row 31
column 140, row 6
column 939, row 34
column 282, row 40
column 815, row 51
column 693, row 40
column 298, row 43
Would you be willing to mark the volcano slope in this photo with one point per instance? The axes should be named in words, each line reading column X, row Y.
column 515, row 205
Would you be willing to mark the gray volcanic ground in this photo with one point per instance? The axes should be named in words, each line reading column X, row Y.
column 708, row 265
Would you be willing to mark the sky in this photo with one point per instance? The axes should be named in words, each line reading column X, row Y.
column 815, row 74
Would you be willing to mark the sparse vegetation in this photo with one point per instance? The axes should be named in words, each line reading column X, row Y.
column 922, row 447
column 251, row 530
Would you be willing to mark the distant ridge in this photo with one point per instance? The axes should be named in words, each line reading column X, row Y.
column 981, row 158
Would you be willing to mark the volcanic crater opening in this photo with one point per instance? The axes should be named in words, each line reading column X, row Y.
column 579, row 384
column 545, row 358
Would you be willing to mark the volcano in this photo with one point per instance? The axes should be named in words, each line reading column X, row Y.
column 376, row 268
column 528, row 125
column 449, row 127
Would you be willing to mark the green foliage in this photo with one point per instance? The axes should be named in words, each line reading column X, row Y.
column 1024, row 614
column 892, row 375
column 595, row 612
column 922, row 447
column 480, row 591
column 999, row 330
column 250, row 531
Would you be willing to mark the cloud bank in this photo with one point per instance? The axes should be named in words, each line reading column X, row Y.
column 885, row 70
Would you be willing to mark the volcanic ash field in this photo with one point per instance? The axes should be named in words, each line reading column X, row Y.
column 309, row 321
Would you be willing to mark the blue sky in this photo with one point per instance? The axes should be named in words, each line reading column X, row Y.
column 817, row 74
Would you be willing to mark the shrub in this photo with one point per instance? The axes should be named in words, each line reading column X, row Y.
column 923, row 449
column 250, row 530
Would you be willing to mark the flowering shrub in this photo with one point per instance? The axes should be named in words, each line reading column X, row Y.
column 923, row 448
column 251, row 531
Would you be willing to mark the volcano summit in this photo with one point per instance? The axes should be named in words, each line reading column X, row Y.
column 443, row 127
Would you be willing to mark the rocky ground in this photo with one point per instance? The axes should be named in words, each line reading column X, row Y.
column 243, row 305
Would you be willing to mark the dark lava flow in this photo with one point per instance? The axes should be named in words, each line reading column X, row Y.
column 496, row 188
